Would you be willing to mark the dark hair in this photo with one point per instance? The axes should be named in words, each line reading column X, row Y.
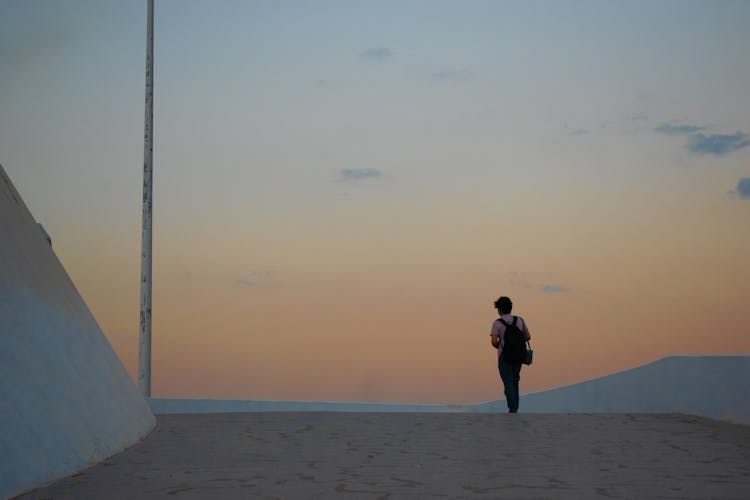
column 504, row 305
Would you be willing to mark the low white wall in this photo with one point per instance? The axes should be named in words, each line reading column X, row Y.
column 66, row 401
column 710, row 386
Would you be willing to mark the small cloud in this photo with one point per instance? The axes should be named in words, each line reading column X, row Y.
column 532, row 281
column 635, row 117
column 358, row 174
column 255, row 279
column 580, row 131
column 743, row 188
column 520, row 279
column 261, row 274
column 669, row 129
column 377, row 53
column 717, row 144
column 247, row 282
column 439, row 73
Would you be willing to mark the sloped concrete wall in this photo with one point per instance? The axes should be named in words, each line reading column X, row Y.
column 66, row 401
column 710, row 386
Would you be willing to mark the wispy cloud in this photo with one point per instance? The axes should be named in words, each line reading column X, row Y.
column 743, row 188
column 256, row 279
column 439, row 73
column 376, row 53
column 358, row 174
column 717, row 144
column 635, row 117
column 669, row 129
column 527, row 280
column 580, row 131
column 520, row 279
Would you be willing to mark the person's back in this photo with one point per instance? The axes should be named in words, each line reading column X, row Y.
column 509, row 363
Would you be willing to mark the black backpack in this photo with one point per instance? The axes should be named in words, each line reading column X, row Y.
column 514, row 345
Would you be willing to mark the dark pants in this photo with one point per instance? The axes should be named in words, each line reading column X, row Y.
column 510, row 373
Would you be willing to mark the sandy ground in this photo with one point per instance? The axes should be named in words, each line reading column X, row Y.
column 370, row 455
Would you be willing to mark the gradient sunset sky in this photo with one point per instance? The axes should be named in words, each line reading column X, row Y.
column 343, row 188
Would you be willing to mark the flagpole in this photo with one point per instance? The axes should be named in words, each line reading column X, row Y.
column 144, row 348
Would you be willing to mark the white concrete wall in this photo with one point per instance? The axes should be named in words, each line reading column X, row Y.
column 66, row 401
column 710, row 386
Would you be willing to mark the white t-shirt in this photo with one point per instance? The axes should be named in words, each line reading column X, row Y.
column 498, row 329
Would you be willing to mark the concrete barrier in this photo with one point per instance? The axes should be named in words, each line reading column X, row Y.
column 66, row 401
column 709, row 386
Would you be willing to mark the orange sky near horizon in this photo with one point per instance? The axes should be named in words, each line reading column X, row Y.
column 399, row 309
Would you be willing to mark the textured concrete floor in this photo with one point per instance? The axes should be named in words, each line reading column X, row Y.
column 370, row 455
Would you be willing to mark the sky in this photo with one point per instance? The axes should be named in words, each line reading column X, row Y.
column 342, row 189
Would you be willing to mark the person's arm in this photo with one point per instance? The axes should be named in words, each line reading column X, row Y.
column 526, row 332
column 495, row 336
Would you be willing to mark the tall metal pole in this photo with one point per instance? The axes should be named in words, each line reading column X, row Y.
column 144, row 350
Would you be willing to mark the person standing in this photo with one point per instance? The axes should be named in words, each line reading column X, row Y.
column 510, row 372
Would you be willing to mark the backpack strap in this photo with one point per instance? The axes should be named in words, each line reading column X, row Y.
column 515, row 319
